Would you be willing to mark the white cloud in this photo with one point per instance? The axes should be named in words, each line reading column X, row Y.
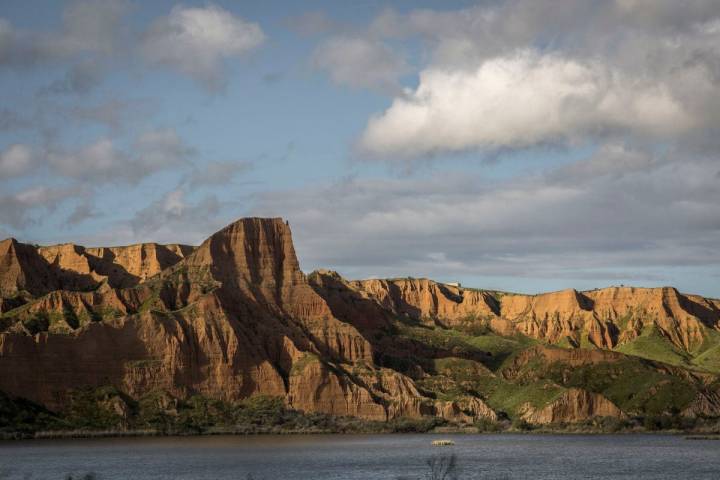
column 195, row 41
column 16, row 160
column 518, row 101
column 360, row 62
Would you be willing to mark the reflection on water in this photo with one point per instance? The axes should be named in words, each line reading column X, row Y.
column 366, row 457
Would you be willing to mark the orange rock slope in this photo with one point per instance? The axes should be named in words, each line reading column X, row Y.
column 236, row 317
column 602, row 318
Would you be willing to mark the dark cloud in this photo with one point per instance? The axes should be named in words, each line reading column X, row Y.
column 315, row 23
column 616, row 211
column 272, row 78
column 11, row 120
column 82, row 212
column 217, row 173
column 165, row 217
column 102, row 161
column 361, row 62
column 89, row 28
column 31, row 205
column 80, row 79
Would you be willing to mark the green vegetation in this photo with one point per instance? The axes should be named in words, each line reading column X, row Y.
column 632, row 384
column 490, row 349
column 708, row 355
column 19, row 417
column 508, row 397
column 110, row 411
column 653, row 345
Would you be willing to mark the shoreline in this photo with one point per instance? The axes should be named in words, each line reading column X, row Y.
column 94, row 434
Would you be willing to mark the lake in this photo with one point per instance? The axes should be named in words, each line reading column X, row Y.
column 366, row 457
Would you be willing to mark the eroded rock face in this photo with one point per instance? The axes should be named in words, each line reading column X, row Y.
column 233, row 318
column 611, row 316
column 39, row 270
column 23, row 269
column 603, row 318
column 465, row 410
column 315, row 387
column 236, row 317
column 83, row 268
column 705, row 404
column 429, row 301
column 575, row 405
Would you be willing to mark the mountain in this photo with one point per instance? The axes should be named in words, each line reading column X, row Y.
column 235, row 318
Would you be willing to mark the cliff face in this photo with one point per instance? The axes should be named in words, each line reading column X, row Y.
column 23, row 269
column 429, row 301
column 230, row 320
column 602, row 318
column 236, row 317
column 575, row 405
column 39, row 270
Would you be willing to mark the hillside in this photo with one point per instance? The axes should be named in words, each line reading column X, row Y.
column 140, row 334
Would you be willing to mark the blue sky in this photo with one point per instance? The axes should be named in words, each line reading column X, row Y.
column 519, row 145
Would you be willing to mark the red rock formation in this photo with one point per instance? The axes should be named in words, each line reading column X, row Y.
column 23, row 269
column 236, row 317
column 575, row 405
column 232, row 319
column 424, row 299
column 603, row 318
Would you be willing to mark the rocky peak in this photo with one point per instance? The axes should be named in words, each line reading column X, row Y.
column 251, row 254
column 22, row 268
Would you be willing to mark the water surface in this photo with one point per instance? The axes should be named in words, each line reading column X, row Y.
column 366, row 457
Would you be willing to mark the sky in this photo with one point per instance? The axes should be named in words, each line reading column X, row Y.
column 522, row 145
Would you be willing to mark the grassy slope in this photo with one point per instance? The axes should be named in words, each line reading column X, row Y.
column 653, row 345
column 455, row 377
column 637, row 386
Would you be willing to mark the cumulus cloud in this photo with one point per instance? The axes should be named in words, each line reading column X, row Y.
column 360, row 62
column 629, row 67
column 520, row 101
column 196, row 41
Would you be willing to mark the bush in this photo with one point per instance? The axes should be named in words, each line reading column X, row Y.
column 487, row 425
column 522, row 424
column 415, row 425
